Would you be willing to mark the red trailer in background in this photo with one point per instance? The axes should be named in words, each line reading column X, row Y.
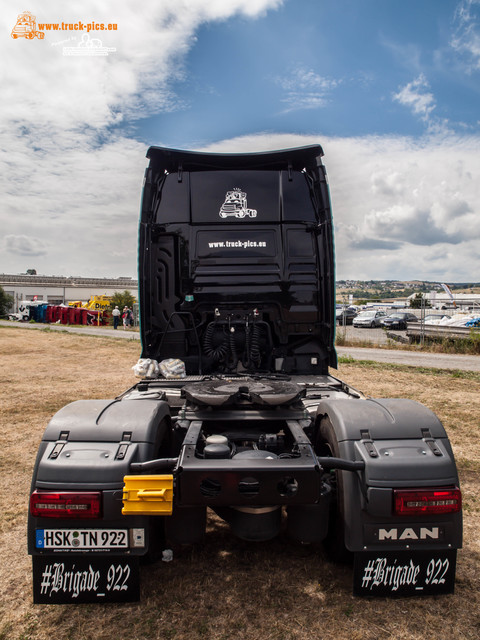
column 50, row 315
column 73, row 315
column 64, row 311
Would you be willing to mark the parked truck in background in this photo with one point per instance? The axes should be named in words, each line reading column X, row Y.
column 259, row 430
column 96, row 303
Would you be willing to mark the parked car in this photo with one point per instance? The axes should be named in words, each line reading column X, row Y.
column 345, row 315
column 370, row 318
column 399, row 320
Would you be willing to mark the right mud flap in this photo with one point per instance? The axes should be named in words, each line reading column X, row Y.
column 404, row 573
column 398, row 515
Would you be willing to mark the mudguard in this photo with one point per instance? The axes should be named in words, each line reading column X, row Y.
column 403, row 445
column 90, row 444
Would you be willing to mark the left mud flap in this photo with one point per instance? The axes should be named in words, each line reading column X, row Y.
column 404, row 573
column 79, row 579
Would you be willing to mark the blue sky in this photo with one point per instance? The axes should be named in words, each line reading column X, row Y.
column 319, row 67
column 389, row 89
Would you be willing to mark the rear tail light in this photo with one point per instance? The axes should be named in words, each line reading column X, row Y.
column 66, row 504
column 413, row 502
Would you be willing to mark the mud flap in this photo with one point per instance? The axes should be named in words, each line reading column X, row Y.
column 69, row 579
column 404, row 573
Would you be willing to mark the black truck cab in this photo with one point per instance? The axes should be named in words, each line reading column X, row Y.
column 236, row 269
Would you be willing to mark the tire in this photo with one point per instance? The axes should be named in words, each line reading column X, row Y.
column 334, row 543
column 372, row 325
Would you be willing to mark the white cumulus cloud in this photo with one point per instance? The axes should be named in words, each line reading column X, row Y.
column 417, row 97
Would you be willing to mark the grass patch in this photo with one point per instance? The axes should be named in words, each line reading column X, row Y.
column 467, row 346
column 341, row 340
column 389, row 366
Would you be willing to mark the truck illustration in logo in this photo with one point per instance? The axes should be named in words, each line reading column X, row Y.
column 236, row 205
column 26, row 27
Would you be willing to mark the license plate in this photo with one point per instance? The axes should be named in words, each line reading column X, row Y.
column 404, row 573
column 79, row 539
column 77, row 579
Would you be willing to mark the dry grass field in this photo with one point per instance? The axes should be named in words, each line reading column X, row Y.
column 226, row 589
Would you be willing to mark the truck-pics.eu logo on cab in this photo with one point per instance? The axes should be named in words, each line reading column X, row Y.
column 236, row 205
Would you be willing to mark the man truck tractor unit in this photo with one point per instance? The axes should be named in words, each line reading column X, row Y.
column 257, row 430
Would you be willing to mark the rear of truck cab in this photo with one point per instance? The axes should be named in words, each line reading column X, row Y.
column 236, row 280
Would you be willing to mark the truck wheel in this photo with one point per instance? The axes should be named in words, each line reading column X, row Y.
column 334, row 543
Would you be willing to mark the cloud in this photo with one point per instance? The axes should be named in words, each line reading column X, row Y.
column 79, row 199
column 406, row 54
column 466, row 38
column 24, row 246
column 409, row 224
column 416, row 96
column 360, row 242
column 305, row 89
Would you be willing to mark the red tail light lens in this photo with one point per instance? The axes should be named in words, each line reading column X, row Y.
column 66, row 504
column 414, row 502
